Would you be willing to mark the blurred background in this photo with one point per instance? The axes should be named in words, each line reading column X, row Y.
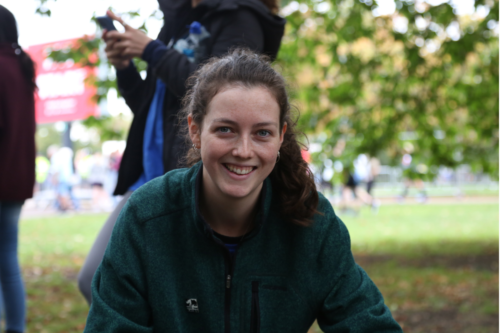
column 398, row 100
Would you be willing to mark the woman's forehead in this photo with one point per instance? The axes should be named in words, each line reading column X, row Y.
column 239, row 103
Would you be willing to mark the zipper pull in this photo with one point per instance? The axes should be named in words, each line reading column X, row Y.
column 228, row 282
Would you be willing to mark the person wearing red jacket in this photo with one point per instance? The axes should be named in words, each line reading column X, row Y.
column 17, row 162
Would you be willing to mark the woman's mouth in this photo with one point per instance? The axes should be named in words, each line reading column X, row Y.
column 239, row 170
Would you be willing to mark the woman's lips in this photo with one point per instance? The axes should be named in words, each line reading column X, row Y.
column 238, row 169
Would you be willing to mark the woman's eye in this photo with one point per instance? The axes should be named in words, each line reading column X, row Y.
column 263, row 133
column 224, row 130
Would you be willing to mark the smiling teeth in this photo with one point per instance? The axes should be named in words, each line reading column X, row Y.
column 239, row 170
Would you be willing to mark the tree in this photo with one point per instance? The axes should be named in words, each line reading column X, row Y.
column 85, row 53
column 421, row 76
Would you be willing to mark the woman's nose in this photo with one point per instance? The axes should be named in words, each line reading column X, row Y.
column 243, row 148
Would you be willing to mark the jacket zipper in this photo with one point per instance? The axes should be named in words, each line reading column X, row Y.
column 228, row 277
column 227, row 296
column 255, row 315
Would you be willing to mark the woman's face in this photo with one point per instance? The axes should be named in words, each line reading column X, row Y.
column 239, row 141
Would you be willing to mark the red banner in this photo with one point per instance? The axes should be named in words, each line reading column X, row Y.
column 63, row 94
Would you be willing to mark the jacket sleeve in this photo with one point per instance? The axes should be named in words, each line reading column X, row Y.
column 131, row 87
column 119, row 293
column 353, row 303
column 241, row 28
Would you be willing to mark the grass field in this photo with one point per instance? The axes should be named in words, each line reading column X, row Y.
column 436, row 265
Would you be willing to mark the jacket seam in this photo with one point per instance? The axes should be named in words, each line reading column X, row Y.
column 163, row 214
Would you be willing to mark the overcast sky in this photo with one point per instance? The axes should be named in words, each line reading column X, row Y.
column 70, row 18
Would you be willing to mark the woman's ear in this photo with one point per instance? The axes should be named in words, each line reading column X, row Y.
column 283, row 131
column 194, row 131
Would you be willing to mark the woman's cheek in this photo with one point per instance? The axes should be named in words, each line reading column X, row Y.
column 215, row 147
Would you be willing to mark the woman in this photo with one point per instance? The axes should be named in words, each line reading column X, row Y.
column 154, row 145
column 17, row 162
column 241, row 241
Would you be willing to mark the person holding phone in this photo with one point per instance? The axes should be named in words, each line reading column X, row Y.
column 241, row 241
column 17, row 164
column 193, row 31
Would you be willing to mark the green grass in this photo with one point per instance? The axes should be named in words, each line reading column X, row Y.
column 52, row 250
column 61, row 240
column 436, row 288
column 54, row 304
column 419, row 230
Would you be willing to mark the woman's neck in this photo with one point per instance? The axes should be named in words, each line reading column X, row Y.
column 232, row 217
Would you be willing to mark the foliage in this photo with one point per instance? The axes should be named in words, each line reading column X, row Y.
column 87, row 52
column 110, row 128
column 421, row 78
column 43, row 9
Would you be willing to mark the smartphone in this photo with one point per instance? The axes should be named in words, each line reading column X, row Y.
column 106, row 23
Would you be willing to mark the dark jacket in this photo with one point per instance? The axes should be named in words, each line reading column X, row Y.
column 231, row 23
column 165, row 271
column 17, row 129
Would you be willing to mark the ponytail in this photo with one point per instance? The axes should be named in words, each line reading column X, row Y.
column 294, row 180
column 27, row 67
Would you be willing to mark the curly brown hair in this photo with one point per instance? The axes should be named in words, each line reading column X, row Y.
column 291, row 175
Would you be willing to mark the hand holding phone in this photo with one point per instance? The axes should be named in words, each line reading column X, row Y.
column 106, row 23
column 113, row 53
column 122, row 47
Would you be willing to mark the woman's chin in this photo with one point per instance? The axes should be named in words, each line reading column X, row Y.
column 237, row 192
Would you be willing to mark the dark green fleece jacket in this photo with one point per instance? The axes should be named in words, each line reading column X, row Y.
column 165, row 271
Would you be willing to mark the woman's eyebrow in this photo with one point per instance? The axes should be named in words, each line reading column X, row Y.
column 267, row 123
column 224, row 120
column 232, row 122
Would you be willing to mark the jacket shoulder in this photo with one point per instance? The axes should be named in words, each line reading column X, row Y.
column 164, row 195
column 327, row 226
column 326, row 214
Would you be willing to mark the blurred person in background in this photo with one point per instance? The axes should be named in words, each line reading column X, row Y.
column 97, row 178
column 352, row 193
column 63, row 177
column 374, row 171
column 413, row 174
column 17, row 163
column 83, row 164
column 193, row 31
column 42, row 164
column 114, row 161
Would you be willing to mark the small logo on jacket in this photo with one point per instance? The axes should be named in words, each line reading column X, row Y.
column 192, row 305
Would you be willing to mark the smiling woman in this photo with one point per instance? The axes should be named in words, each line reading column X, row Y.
column 241, row 241
column 239, row 140
column 244, row 91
